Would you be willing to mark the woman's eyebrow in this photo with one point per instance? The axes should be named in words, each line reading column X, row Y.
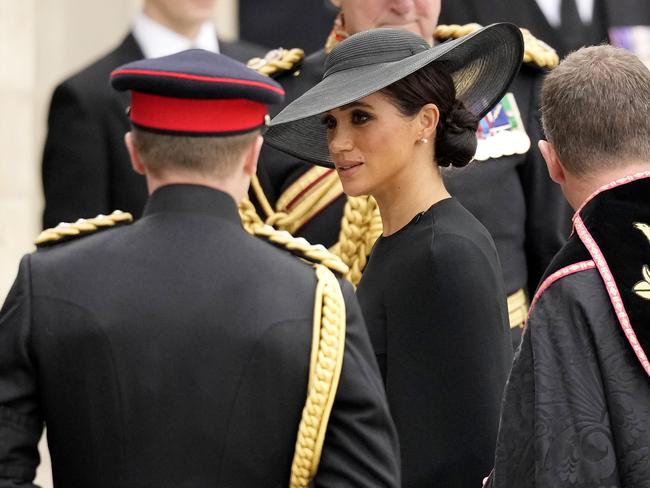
column 354, row 105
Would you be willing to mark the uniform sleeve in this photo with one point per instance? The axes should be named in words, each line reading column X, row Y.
column 548, row 214
column 20, row 420
column 555, row 427
column 361, row 447
column 75, row 167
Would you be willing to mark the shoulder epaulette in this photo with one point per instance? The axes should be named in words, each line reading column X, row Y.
column 539, row 53
column 300, row 247
column 536, row 52
column 277, row 62
column 66, row 231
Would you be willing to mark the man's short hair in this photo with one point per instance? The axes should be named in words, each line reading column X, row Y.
column 209, row 156
column 596, row 109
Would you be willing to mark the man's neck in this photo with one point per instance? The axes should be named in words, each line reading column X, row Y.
column 226, row 186
column 186, row 29
column 581, row 187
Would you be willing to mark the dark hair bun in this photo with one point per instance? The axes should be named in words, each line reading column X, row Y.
column 456, row 137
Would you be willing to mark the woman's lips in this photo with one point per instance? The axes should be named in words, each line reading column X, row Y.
column 346, row 165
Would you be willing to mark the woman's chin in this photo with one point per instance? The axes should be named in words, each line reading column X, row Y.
column 353, row 191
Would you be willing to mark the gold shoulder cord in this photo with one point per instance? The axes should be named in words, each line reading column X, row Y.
column 360, row 227
column 328, row 344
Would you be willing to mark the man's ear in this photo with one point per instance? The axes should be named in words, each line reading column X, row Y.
column 555, row 169
column 252, row 155
column 136, row 161
column 427, row 119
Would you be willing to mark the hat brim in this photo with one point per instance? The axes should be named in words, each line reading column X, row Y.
column 481, row 64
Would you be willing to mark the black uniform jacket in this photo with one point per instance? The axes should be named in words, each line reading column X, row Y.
column 512, row 196
column 174, row 352
column 86, row 168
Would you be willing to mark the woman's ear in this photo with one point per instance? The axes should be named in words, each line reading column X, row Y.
column 427, row 120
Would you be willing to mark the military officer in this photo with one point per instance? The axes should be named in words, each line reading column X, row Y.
column 181, row 350
column 507, row 188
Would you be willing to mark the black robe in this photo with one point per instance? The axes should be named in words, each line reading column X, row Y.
column 577, row 405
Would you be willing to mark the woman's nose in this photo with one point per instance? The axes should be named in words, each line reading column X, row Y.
column 340, row 142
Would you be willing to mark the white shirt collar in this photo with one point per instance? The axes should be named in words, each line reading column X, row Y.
column 551, row 10
column 156, row 40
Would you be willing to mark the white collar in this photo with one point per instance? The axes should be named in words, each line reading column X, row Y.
column 156, row 40
column 551, row 10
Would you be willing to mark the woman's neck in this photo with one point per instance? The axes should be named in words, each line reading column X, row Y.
column 411, row 192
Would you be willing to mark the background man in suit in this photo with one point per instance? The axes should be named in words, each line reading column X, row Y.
column 86, row 168
column 176, row 351
column 564, row 24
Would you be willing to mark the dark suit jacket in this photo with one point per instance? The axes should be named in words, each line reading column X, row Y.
column 174, row 352
column 86, row 168
column 526, row 13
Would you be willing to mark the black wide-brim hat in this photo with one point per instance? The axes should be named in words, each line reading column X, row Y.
column 481, row 64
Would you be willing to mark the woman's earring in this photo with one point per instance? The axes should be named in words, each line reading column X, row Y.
column 423, row 140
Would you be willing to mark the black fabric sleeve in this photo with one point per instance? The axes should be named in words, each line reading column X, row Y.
column 361, row 447
column 75, row 169
column 548, row 214
column 20, row 421
column 453, row 361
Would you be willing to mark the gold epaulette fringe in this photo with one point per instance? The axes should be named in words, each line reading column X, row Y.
column 536, row 51
column 66, row 231
column 277, row 61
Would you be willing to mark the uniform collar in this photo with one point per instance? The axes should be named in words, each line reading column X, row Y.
column 192, row 199
column 156, row 40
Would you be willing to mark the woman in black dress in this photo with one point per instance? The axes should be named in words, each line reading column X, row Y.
column 389, row 111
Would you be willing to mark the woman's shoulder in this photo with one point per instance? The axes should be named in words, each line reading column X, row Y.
column 457, row 234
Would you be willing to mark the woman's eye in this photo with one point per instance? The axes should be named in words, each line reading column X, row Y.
column 359, row 117
column 328, row 121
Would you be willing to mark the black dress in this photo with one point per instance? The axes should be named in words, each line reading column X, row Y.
column 434, row 303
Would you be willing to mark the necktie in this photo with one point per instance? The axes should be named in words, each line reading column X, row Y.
column 572, row 30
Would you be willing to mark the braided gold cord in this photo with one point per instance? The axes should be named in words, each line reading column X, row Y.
column 535, row 50
column 360, row 227
column 320, row 197
column 328, row 346
column 300, row 247
column 82, row 227
column 277, row 61
column 248, row 215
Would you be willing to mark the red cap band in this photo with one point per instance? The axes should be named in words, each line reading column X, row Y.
column 204, row 116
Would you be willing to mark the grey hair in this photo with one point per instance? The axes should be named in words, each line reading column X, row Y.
column 596, row 109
